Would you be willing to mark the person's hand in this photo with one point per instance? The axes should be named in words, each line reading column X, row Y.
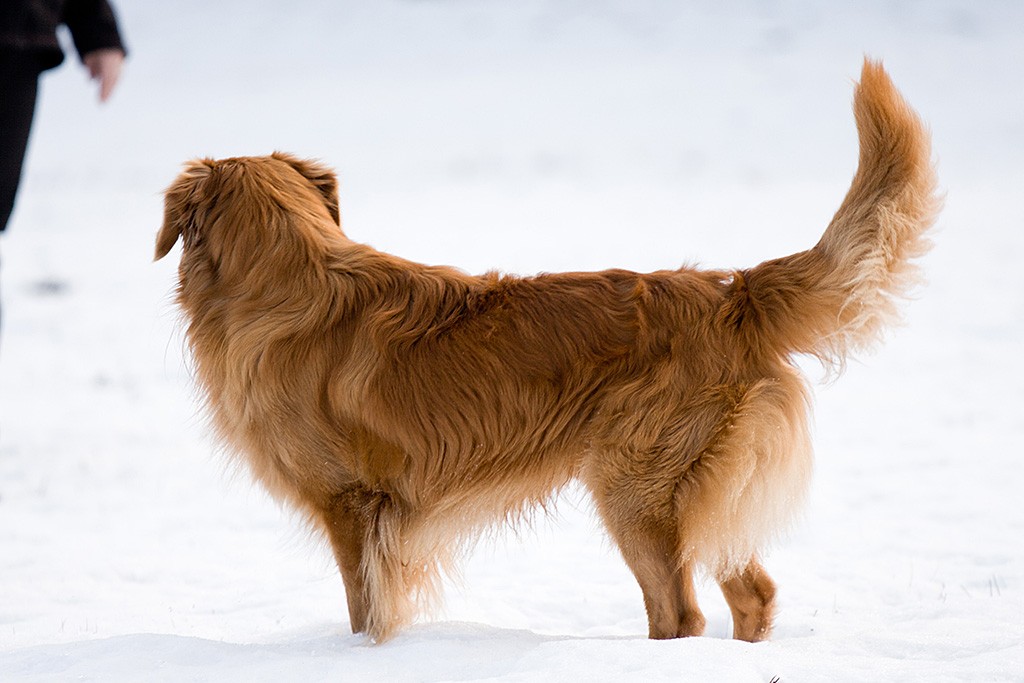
column 104, row 65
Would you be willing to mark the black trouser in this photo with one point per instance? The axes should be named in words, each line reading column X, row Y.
column 19, row 81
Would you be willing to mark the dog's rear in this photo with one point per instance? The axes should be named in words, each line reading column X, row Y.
column 743, row 483
column 838, row 296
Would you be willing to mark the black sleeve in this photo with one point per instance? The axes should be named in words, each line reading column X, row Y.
column 93, row 25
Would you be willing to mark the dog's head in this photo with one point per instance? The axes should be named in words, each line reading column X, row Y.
column 220, row 206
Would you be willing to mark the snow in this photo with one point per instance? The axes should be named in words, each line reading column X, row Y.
column 528, row 136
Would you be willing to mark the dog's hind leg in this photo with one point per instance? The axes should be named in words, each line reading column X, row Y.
column 669, row 594
column 751, row 597
column 649, row 546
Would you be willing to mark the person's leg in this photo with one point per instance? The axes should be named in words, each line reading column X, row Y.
column 19, row 82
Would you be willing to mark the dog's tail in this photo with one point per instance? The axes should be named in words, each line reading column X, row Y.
column 839, row 296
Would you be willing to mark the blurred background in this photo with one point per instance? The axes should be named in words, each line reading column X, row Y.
column 525, row 136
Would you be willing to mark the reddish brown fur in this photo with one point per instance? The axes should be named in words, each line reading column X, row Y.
column 405, row 407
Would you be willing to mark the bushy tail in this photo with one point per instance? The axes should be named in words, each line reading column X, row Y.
column 839, row 296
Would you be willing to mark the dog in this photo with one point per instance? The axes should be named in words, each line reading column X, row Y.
column 404, row 408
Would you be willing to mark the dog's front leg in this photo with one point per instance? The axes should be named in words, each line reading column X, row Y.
column 346, row 521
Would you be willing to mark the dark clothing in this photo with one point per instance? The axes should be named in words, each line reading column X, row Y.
column 28, row 46
column 19, row 76
column 31, row 26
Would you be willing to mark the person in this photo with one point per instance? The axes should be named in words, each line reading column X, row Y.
column 28, row 47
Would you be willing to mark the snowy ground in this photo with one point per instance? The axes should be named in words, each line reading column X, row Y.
column 526, row 136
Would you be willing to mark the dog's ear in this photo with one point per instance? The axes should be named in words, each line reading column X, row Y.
column 182, row 202
column 320, row 177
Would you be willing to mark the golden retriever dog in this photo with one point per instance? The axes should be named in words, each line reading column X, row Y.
column 404, row 408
